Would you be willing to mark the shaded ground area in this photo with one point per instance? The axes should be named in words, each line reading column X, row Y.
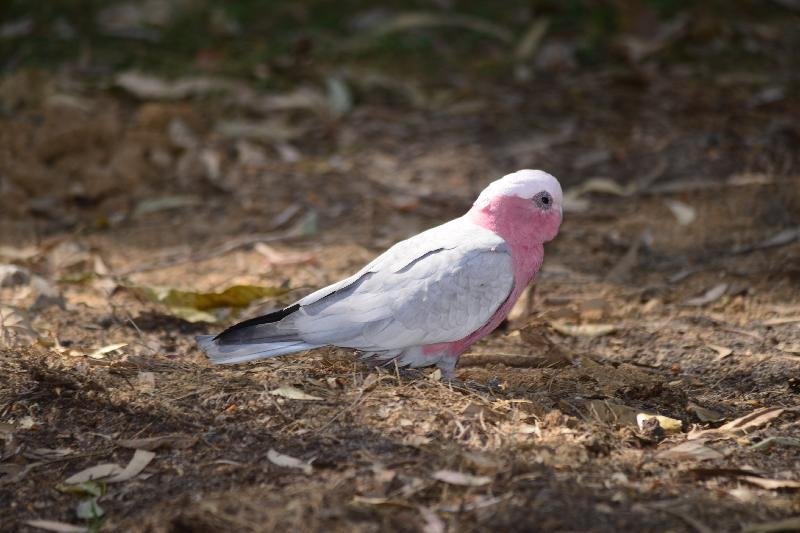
column 672, row 289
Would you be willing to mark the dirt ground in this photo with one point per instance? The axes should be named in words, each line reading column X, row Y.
column 673, row 289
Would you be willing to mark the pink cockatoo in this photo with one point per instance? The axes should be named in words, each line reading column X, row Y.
column 426, row 299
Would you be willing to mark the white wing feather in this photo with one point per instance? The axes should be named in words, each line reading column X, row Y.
column 438, row 286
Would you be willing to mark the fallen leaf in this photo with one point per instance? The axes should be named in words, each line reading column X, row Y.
column 101, row 352
column 163, row 203
column 340, row 98
column 275, row 130
column 582, row 330
column 690, row 451
column 792, row 348
column 669, row 425
column 703, row 414
column 769, row 442
column 779, row 321
column 276, row 258
column 530, row 40
column 113, row 473
column 194, row 306
column 710, row 296
column 415, row 20
column 97, row 472
column 287, row 391
column 722, row 351
column 781, row 526
column 754, row 420
column 87, row 488
column 175, row 441
column 600, row 185
column 288, row 461
column 781, row 238
column 772, row 484
column 59, row 527
column 612, row 413
column 683, row 213
column 459, row 478
column 148, row 87
column 13, row 253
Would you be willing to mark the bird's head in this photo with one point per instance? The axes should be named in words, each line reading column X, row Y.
column 524, row 206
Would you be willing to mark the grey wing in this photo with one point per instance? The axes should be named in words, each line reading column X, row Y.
column 436, row 294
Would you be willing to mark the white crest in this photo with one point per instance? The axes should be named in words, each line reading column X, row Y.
column 522, row 183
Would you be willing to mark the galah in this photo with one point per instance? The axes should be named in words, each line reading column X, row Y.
column 426, row 299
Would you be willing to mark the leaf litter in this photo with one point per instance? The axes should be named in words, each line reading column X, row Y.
column 526, row 408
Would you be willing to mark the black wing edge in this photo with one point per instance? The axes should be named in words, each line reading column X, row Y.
column 269, row 318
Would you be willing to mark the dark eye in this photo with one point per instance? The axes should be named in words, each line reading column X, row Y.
column 543, row 200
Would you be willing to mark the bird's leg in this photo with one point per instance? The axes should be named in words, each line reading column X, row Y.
column 447, row 365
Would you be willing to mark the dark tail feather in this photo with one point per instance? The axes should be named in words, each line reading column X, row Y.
column 257, row 338
column 221, row 354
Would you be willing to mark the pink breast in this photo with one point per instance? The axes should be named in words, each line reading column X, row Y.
column 527, row 253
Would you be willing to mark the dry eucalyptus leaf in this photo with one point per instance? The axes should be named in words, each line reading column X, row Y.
column 690, row 451
column 769, row 442
column 175, row 441
column 754, row 420
column 583, row 330
column 772, row 484
column 612, row 413
column 722, row 351
column 452, row 477
column 710, row 296
column 195, row 306
column 779, row 321
column 113, row 473
column 288, row 461
column 140, row 459
column 100, row 353
column 287, row 391
column 97, row 472
column 58, row 527
column 792, row 348
column 684, row 213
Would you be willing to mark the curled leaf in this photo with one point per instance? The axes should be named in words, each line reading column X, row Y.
column 453, row 477
column 288, row 461
column 287, row 391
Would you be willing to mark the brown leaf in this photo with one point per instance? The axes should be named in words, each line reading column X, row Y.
column 58, row 527
column 710, row 296
column 292, row 393
column 583, row 330
column 749, row 422
column 459, row 478
column 772, row 484
column 690, row 451
column 113, row 473
column 754, row 420
column 176, row 441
